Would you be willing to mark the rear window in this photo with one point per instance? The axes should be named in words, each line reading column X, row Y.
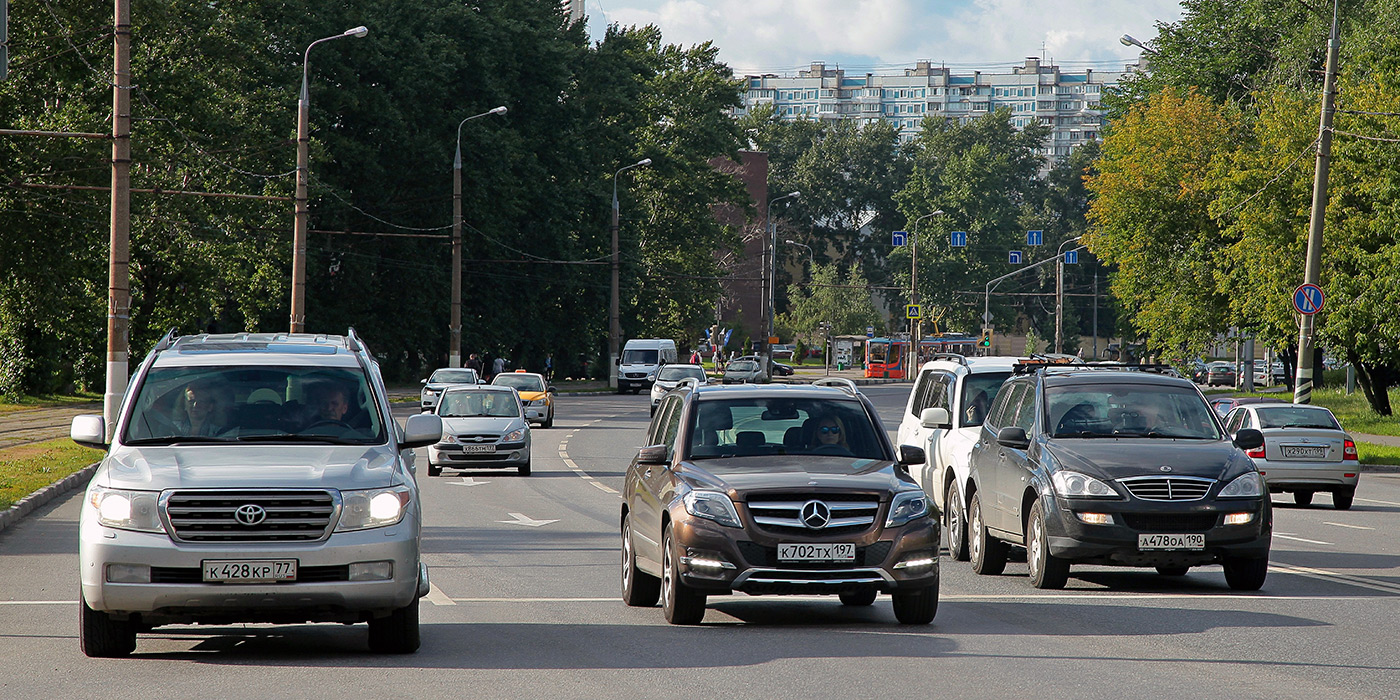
column 1297, row 417
column 751, row 427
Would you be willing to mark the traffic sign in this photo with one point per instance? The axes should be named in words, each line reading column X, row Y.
column 987, row 317
column 1035, row 237
column 1014, row 258
column 899, row 238
column 1071, row 257
column 913, row 312
column 1308, row 299
column 958, row 239
column 870, row 331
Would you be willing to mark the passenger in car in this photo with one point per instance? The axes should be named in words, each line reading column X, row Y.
column 204, row 405
column 828, row 436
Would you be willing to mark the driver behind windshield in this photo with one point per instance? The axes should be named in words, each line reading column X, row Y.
column 828, row 434
column 204, row 405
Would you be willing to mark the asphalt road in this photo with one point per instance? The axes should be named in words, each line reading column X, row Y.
column 525, row 605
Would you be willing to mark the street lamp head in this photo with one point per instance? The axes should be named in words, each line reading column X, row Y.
column 498, row 110
column 938, row 212
column 789, row 241
column 1128, row 40
column 357, row 31
column 644, row 161
column 794, row 194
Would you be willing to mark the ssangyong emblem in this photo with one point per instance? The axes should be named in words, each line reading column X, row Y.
column 1165, row 468
column 815, row 514
column 250, row 514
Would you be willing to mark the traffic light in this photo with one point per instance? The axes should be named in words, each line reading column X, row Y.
column 986, row 341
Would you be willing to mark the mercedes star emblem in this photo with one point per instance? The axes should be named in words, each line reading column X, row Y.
column 815, row 514
column 250, row 514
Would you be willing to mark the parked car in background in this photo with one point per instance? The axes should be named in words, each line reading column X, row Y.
column 784, row 350
column 669, row 376
column 1224, row 404
column 743, row 372
column 1220, row 374
column 779, row 369
column 439, row 380
column 484, row 427
column 1198, row 370
column 1305, row 451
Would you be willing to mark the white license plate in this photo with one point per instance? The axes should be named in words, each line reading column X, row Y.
column 250, row 570
column 1309, row 452
column 1196, row 541
column 817, row 552
column 478, row 448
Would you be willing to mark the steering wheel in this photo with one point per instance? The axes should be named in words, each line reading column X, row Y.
column 329, row 421
column 831, row 450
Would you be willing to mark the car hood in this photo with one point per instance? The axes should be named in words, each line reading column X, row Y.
column 744, row 477
column 250, row 466
column 482, row 424
column 532, row 395
column 1117, row 458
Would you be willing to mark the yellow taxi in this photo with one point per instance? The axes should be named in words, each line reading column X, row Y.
column 535, row 393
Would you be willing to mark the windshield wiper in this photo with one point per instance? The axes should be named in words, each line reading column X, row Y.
column 1082, row 434
column 294, row 437
column 178, row 440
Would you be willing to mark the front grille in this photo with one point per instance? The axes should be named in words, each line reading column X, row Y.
column 636, row 375
column 291, row 516
column 305, row 574
column 758, row 555
column 849, row 513
column 1168, row 488
column 1170, row 522
column 478, row 438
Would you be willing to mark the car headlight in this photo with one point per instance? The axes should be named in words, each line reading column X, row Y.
column 712, row 505
column 429, row 392
column 514, row 436
column 536, row 402
column 651, row 377
column 126, row 510
column 1247, row 485
column 1075, row 485
column 907, row 506
column 370, row 508
column 448, row 439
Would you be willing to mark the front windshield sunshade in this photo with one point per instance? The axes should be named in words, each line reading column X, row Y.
column 478, row 404
column 1128, row 410
column 753, row 427
column 186, row 405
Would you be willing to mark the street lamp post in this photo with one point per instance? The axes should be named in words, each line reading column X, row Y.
column 454, row 353
column 1060, row 292
column 914, row 323
column 299, row 226
column 771, row 270
column 614, row 320
column 1128, row 40
column 811, row 259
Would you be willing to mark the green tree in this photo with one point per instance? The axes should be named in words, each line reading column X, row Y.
column 831, row 297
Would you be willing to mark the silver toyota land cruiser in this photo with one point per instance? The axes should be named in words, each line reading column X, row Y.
column 253, row 478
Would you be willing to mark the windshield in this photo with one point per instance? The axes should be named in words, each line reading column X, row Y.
column 521, row 382
column 878, row 351
column 783, row 426
column 231, row 404
column 475, row 404
column 639, row 357
column 1129, row 410
column 978, row 392
column 453, row 376
column 742, row 366
column 675, row 373
column 1296, row 417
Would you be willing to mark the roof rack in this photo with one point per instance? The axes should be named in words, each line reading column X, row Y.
column 841, row 383
column 688, row 381
column 950, row 356
column 1031, row 366
column 166, row 341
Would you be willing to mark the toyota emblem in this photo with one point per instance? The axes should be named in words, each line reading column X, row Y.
column 815, row 514
column 250, row 514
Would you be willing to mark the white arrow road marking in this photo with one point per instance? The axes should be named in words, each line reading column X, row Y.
column 522, row 519
column 467, row 481
column 437, row 597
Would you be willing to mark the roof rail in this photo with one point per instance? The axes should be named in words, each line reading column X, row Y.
column 1031, row 366
column 841, row 383
column 688, row 381
column 352, row 341
column 166, row 341
column 950, row 356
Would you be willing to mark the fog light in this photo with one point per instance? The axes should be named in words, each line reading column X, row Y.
column 1095, row 518
column 709, row 563
column 916, row 563
column 1239, row 518
column 128, row 573
column 372, row 571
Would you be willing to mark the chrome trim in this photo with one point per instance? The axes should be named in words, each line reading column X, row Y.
column 785, row 576
column 1189, row 484
column 164, row 500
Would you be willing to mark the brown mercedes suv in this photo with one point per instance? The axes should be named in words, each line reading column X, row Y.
column 775, row 490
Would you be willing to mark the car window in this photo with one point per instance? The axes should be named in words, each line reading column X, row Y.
column 1133, row 410
column 521, row 382
column 669, row 429
column 916, row 406
column 1006, row 396
column 1297, row 417
column 453, row 376
column 977, row 394
column 479, row 404
column 1022, row 413
column 658, row 421
column 639, row 357
column 1233, row 421
column 761, row 426
column 673, row 373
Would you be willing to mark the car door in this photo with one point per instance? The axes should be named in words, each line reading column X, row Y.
column 1019, row 465
column 996, row 466
column 909, row 424
column 931, row 474
column 642, row 497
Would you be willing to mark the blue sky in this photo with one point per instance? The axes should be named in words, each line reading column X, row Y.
column 883, row 36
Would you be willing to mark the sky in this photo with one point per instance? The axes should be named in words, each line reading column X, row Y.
column 884, row 36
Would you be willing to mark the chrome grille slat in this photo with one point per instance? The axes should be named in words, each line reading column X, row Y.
column 291, row 515
column 784, row 512
column 1168, row 488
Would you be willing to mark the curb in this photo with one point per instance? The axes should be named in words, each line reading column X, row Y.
column 1380, row 469
column 29, row 503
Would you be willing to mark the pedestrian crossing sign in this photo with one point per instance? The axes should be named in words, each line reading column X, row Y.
column 913, row 312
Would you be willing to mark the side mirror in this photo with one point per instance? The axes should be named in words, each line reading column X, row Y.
column 89, row 431
column 422, row 381
column 422, row 430
column 1013, row 437
column 652, row 454
column 1245, row 439
column 617, row 361
column 551, row 389
column 909, row 454
column 936, row 419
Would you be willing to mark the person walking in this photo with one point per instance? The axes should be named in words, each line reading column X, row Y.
column 474, row 362
column 498, row 365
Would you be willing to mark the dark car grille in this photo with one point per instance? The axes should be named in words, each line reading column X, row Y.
column 305, row 574
column 758, row 555
column 1168, row 488
column 291, row 516
column 479, row 438
column 1170, row 522
column 849, row 513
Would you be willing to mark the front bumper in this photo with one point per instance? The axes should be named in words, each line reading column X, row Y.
column 512, row 454
column 1116, row 543
column 1300, row 476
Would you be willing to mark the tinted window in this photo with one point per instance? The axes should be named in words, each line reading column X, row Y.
column 639, row 357
column 1025, row 409
column 1297, row 417
column 771, row 426
column 916, row 406
column 671, row 427
column 1135, row 410
column 658, row 421
column 1234, row 421
column 1006, row 396
column 977, row 394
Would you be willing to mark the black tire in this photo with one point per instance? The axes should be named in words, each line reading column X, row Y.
column 550, row 422
column 955, row 524
column 1302, row 498
column 639, row 589
column 987, row 553
column 653, row 410
column 100, row 636
column 396, row 633
column 1047, row 570
column 1342, row 498
column 1173, row 570
column 682, row 604
column 1246, row 574
column 434, row 469
column 916, row 607
column 524, row 469
column 858, row 598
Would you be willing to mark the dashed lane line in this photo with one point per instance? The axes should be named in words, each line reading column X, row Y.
column 1372, row 500
column 1354, row 527
column 1284, row 536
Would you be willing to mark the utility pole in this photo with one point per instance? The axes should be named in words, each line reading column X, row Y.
column 118, row 271
column 614, row 302
column 454, row 352
column 1302, row 386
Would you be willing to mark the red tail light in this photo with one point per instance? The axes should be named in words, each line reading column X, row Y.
column 1349, row 450
column 1256, row 452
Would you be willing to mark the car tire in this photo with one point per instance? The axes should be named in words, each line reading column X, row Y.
column 915, row 607
column 682, row 604
column 639, row 589
column 434, row 469
column 524, row 469
column 549, row 423
column 987, row 553
column 1303, row 498
column 1342, row 498
column 1047, row 570
column 397, row 632
column 1246, row 574
column 858, row 598
column 100, row 636
column 955, row 523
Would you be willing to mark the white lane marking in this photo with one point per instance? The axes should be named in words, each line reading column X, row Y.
column 1281, row 535
column 1354, row 527
column 467, row 481
column 602, row 487
column 613, row 599
column 436, row 596
column 975, row 598
column 572, row 465
column 38, row 602
column 527, row 521
column 1372, row 500
column 1325, row 575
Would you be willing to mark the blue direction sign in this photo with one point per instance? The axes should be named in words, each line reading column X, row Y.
column 1014, row 257
column 1308, row 299
column 958, row 239
column 1035, row 238
column 1071, row 257
column 898, row 238
column 870, row 331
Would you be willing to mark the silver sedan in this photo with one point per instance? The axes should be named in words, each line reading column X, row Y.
column 1305, row 451
column 483, row 427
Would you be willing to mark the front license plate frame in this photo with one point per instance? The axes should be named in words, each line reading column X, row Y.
column 478, row 449
column 248, row 570
column 832, row 552
column 1169, row 542
column 1304, row 451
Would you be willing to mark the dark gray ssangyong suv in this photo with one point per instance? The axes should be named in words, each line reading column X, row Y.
column 253, row 478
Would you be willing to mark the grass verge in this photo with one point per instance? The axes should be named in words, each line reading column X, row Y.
column 46, row 401
column 1371, row 453
column 25, row 469
column 1353, row 411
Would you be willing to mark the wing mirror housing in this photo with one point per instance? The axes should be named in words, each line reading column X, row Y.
column 422, row 430
column 1249, row 439
column 936, row 419
column 652, row 454
column 422, row 381
column 89, row 431
column 1013, row 437
column 910, row 454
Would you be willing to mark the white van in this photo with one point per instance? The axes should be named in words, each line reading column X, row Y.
column 641, row 357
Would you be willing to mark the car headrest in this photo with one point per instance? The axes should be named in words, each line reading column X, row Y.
column 715, row 417
column 749, row 438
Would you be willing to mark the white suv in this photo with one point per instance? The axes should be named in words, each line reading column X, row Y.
column 253, row 478
column 962, row 388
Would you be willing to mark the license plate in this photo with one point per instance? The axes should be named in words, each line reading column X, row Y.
column 817, row 552
column 1301, row 451
column 1196, row 541
column 250, row 570
column 478, row 448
